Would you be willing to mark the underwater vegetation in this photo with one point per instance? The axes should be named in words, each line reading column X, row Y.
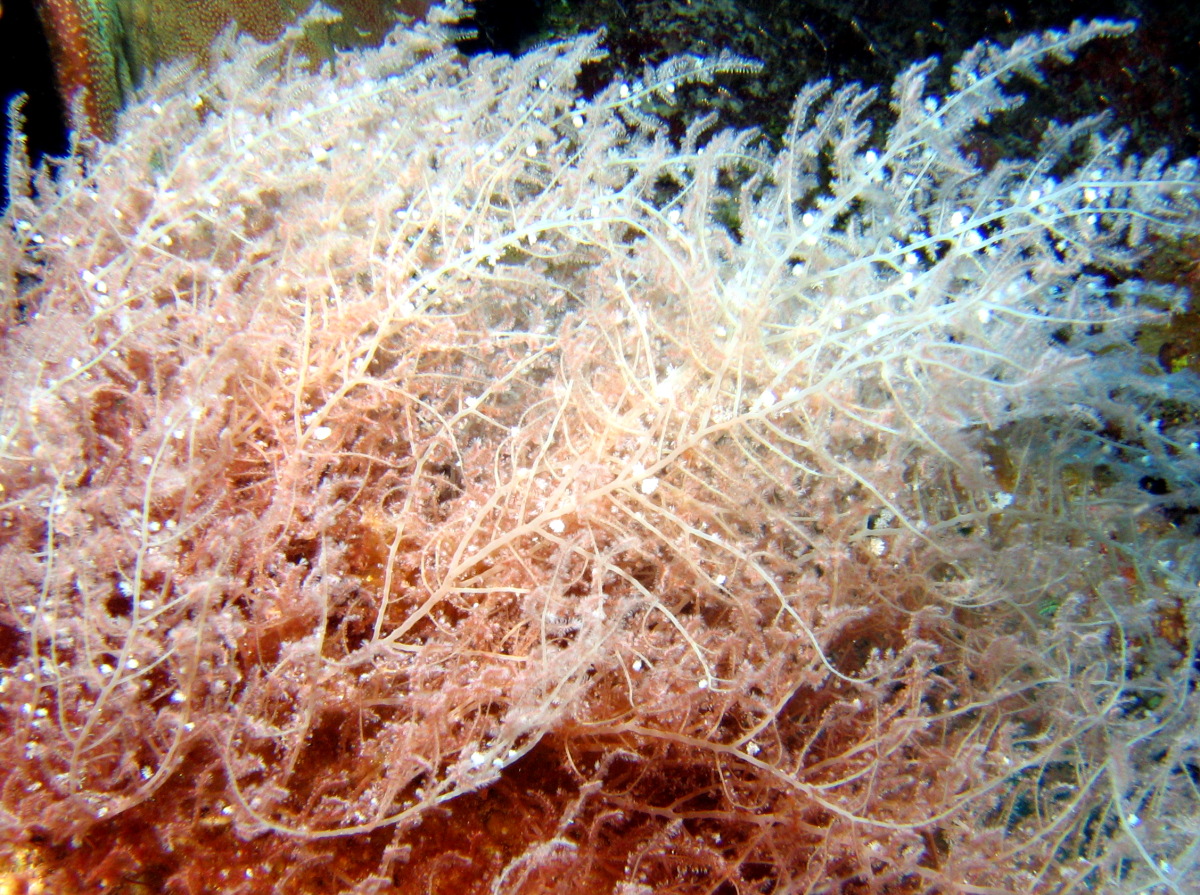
column 418, row 477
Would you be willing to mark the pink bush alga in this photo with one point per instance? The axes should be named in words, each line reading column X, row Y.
column 422, row 478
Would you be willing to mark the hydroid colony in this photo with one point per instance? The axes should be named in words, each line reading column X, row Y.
column 422, row 477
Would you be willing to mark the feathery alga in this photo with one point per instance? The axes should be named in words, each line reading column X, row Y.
column 421, row 477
